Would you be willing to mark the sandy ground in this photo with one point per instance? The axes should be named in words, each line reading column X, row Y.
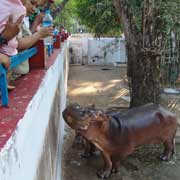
column 107, row 88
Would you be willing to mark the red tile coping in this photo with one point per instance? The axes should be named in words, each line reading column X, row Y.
column 19, row 98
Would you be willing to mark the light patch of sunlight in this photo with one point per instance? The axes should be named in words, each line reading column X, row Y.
column 84, row 84
column 86, row 88
column 172, row 103
column 93, row 87
column 111, row 84
column 83, row 90
column 120, row 93
column 116, row 80
column 107, row 87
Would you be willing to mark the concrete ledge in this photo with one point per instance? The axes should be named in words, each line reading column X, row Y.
column 34, row 145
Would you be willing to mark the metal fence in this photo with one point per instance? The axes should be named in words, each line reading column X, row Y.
column 170, row 67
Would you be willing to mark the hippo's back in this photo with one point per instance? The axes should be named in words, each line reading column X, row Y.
column 140, row 116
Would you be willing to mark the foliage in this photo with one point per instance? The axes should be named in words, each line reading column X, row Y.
column 99, row 16
column 170, row 59
column 170, row 14
column 66, row 16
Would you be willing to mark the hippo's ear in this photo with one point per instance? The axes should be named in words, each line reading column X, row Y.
column 93, row 106
column 107, row 117
column 69, row 120
column 103, row 117
column 105, row 126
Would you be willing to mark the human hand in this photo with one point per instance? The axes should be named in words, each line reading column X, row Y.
column 39, row 18
column 4, row 60
column 46, row 31
column 11, row 29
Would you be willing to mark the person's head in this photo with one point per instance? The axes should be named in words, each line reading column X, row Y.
column 62, row 29
column 24, row 2
column 31, row 6
column 41, row 2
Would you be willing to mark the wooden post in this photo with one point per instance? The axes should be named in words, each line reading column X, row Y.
column 66, row 35
column 39, row 60
column 62, row 34
column 57, row 43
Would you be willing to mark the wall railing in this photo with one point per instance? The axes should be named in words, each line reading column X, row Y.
column 37, row 59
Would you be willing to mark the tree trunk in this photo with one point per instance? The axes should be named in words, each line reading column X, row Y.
column 142, row 53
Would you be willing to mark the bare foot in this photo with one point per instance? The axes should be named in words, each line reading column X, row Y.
column 10, row 87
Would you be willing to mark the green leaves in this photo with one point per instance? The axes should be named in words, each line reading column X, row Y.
column 99, row 16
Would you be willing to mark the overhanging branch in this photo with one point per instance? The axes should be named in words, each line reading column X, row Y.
column 58, row 9
column 126, row 18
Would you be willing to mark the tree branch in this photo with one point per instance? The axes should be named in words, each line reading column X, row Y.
column 58, row 9
column 126, row 18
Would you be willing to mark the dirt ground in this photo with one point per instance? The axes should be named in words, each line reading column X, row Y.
column 107, row 87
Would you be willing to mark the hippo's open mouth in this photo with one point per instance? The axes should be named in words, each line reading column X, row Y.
column 82, row 127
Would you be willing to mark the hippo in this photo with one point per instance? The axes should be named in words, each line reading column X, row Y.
column 89, row 148
column 118, row 134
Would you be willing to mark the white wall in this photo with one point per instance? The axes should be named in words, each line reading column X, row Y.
column 20, row 158
column 105, row 51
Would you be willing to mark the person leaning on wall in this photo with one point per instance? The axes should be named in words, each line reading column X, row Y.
column 27, row 39
column 10, row 30
column 10, row 11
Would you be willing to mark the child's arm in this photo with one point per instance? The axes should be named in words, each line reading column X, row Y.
column 4, row 60
column 29, row 41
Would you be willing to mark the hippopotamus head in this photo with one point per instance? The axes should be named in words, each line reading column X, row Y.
column 79, row 118
column 74, row 116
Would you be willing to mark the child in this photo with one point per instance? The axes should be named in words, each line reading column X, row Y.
column 16, row 9
column 26, row 39
column 4, row 60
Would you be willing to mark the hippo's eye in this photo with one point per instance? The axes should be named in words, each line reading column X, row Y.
column 81, row 113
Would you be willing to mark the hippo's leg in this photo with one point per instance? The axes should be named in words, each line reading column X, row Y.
column 78, row 139
column 89, row 149
column 168, row 150
column 174, row 144
column 114, row 165
column 106, row 171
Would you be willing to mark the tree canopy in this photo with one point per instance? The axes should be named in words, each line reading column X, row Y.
column 99, row 16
